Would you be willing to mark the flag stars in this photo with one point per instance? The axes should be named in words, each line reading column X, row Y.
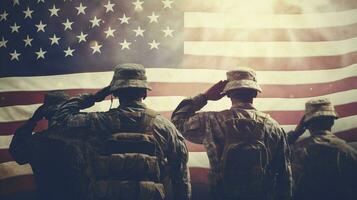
column 54, row 39
column 15, row 2
column 54, row 11
column 124, row 19
column 68, row 52
column 125, row 44
column 109, row 32
column 27, row 41
column 153, row 17
column 40, row 54
column 15, row 28
column 28, row 13
column 81, row 9
column 96, row 47
column 41, row 27
column 109, row 7
column 82, row 37
column 95, row 21
column 167, row 3
column 154, row 45
column 3, row 42
column 67, row 24
column 15, row 55
column 138, row 5
column 38, row 1
column 139, row 31
column 168, row 32
column 3, row 16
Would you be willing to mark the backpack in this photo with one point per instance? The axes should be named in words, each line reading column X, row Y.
column 244, row 159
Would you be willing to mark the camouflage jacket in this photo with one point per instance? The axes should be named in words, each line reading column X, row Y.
column 323, row 175
column 169, row 138
column 208, row 128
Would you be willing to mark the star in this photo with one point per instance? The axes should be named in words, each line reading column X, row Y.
column 40, row 54
column 139, row 31
column 3, row 16
column 153, row 17
column 82, row 37
column 3, row 42
column 54, row 11
column 109, row 7
column 15, row 28
column 96, row 48
column 109, row 32
column 68, row 52
column 154, row 45
column 167, row 3
column 38, row 1
column 125, row 44
column 27, row 41
column 67, row 25
column 28, row 13
column 81, row 9
column 95, row 21
column 54, row 39
column 138, row 5
column 15, row 55
column 124, row 19
column 16, row 2
column 41, row 27
column 168, row 32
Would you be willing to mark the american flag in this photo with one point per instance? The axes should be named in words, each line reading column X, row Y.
column 300, row 49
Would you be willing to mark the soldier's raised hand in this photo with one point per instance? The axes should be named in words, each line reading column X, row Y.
column 301, row 127
column 38, row 114
column 101, row 94
column 214, row 93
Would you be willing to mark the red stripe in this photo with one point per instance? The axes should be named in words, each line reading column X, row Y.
column 278, row 6
column 199, row 175
column 270, row 64
column 5, row 156
column 191, row 89
column 349, row 135
column 283, row 117
column 17, row 184
column 271, row 35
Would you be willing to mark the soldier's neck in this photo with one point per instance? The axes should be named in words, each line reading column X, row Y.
column 237, row 103
column 319, row 132
column 130, row 101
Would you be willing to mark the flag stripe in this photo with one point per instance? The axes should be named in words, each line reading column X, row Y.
column 17, row 184
column 270, row 64
column 166, row 75
column 271, row 35
column 271, row 21
column 191, row 89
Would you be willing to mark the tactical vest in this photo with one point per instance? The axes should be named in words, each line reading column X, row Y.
column 131, row 165
column 244, row 157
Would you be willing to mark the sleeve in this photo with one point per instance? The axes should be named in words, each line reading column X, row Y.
column 20, row 146
column 188, row 122
column 177, row 156
column 284, row 181
column 68, row 115
column 292, row 137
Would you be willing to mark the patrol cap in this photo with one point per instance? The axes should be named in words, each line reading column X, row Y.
column 319, row 107
column 129, row 75
column 55, row 97
column 241, row 78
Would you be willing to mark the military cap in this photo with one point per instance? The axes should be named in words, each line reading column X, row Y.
column 241, row 78
column 55, row 97
column 129, row 75
column 319, row 107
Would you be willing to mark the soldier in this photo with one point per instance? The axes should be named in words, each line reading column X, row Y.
column 247, row 149
column 324, row 165
column 142, row 151
column 26, row 147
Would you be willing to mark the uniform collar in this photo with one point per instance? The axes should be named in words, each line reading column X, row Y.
column 243, row 105
column 322, row 132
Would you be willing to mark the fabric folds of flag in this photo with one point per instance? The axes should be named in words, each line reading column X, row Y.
column 300, row 49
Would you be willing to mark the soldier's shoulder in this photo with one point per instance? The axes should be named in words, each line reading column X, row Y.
column 267, row 119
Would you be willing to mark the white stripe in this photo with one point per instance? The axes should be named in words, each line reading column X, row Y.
column 165, row 75
column 169, row 103
column 343, row 124
column 12, row 169
column 249, row 20
column 269, row 49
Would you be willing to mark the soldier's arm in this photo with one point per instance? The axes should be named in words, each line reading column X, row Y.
column 187, row 121
column 177, row 155
column 282, row 165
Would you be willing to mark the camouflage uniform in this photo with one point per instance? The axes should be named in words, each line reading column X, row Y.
column 129, row 117
column 324, row 166
column 209, row 129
